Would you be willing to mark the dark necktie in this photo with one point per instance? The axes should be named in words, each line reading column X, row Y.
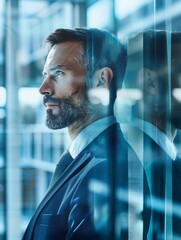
column 63, row 163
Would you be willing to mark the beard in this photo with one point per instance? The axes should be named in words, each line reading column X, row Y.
column 70, row 109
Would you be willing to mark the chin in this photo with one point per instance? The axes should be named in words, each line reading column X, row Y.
column 55, row 123
column 55, row 126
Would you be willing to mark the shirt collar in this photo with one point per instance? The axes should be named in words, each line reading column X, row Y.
column 158, row 136
column 88, row 134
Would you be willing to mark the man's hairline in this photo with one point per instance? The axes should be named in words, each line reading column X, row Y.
column 80, row 52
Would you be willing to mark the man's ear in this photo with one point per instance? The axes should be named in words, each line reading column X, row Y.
column 150, row 81
column 103, row 77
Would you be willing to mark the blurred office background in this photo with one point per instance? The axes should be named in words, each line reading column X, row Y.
column 28, row 150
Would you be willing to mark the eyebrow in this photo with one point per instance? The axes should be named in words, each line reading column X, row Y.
column 55, row 68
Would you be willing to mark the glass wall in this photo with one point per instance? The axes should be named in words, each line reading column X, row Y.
column 29, row 151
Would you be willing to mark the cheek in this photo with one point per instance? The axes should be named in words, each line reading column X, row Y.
column 77, row 81
column 62, row 90
column 69, row 88
column 77, row 84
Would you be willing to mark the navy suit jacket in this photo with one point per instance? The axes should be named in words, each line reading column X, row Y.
column 84, row 203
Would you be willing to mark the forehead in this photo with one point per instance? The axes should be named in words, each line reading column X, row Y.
column 63, row 54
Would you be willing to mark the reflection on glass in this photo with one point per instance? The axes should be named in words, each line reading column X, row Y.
column 40, row 148
column 155, row 119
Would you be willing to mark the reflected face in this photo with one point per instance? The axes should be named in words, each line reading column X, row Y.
column 64, row 86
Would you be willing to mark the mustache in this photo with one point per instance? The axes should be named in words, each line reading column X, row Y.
column 49, row 99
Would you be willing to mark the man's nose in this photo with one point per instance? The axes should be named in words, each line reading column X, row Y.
column 45, row 88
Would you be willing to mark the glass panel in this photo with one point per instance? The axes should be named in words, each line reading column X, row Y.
column 152, row 107
column 147, row 108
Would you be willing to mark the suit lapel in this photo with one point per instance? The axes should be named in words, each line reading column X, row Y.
column 64, row 177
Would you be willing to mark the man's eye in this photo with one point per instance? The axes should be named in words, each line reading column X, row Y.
column 58, row 73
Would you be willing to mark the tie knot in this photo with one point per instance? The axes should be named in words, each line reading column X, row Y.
column 64, row 162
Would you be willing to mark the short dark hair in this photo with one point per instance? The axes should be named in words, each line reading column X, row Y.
column 150, row 49
column 101, row 49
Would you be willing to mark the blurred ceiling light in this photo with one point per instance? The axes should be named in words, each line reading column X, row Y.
column 177, row 94
column 124, row 8
column 146, row 22
column 131, row 94
column 93, row 14
column 29, row 96
column 2, row 96
column 99, row 95
column 31, row 8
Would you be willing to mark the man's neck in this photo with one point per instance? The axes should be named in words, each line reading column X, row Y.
column 75, row 128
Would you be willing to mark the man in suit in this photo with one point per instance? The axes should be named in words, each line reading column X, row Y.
column 88, row 197
column 154, row 70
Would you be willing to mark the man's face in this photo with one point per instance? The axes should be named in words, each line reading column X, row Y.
column 64, row 86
